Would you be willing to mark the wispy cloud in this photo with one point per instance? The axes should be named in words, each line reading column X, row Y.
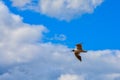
column 60, row 9
column 57, row 37
column 21, row 3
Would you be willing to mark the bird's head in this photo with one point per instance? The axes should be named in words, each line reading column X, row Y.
column 73, row 50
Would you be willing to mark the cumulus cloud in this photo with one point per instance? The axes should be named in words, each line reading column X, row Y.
column 17, row 38
column 67, row 9
column 58, row 63
column 60, row 9
column 47, row 61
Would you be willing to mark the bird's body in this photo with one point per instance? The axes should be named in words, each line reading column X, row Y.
column 78, row 50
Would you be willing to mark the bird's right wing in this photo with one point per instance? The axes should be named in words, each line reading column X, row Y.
column 79, row 46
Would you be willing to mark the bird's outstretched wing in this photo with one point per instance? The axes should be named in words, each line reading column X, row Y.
column 79, row 46
column 78, row 57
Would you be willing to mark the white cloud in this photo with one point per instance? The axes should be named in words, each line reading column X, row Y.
column 47, row 61
column 17, row 38
column 21, row 3
column 71, row 77
column 58, row 37
column 60, row 9
column 57, row 62
column 114, row 76
column 67, row 9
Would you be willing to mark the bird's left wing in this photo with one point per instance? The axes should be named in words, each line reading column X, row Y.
column 78, row 57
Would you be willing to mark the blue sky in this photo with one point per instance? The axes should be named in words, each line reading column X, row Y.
column 97, row 31
column 37, row 36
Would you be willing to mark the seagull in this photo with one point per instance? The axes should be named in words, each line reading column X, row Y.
column 78, row 50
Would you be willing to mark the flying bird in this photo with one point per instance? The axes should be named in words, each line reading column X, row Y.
column 78, row 50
